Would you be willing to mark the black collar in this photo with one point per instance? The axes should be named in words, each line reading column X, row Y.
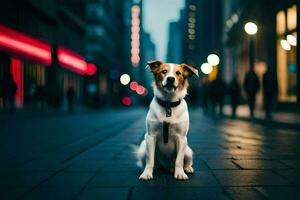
column 168, row 105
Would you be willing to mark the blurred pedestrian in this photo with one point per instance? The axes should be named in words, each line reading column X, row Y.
column 251, row 86
column 218, row 91
column 205, row 95
column 234, row 90
column 70, row 98
column 9, row 92
column 269, row 91
column 1, row 91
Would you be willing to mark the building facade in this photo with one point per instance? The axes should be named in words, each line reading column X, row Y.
column 275, row 42
column 31, row 34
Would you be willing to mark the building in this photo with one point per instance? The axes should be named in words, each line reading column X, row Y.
column 174, row 54
column 275, row 44
column 201, row 30
column 37, row 47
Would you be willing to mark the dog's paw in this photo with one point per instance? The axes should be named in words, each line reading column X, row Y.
column 189, row 169
column 180, row 175
column 146, row 175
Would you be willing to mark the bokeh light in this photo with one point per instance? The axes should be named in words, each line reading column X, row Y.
column 213, row 59
column 124, row 79
column 292, row 40
column 133, row 85
column 126, row 101
column 250, row 28
column 206, row 68
column 140, row 90
column 285, row 45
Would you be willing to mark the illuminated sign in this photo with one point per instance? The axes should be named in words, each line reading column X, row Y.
column 24, row 46
column 135, row 35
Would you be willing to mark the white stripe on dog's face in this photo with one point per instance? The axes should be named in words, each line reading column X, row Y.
column 170, row 74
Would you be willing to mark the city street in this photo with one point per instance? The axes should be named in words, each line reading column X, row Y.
column 88, row 156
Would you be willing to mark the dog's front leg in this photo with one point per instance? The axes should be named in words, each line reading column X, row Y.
column 181, row 143
column 148, row 171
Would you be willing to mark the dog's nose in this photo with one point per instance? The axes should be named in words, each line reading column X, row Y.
column 171, row 79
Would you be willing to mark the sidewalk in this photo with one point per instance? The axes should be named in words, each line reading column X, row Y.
column 279, row 119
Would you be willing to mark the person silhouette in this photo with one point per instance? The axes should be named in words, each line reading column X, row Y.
column 218, row 91
column 9, row 92
column 251, row 86
column 234, row 93
column 269, row 91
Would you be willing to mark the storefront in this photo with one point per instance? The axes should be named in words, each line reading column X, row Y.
column 286, row 27
column 27, row 60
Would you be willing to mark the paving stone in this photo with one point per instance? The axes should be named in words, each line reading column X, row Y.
column 280, row 192
column 62, row 192
column 249, row 178
column 221, row 164
column 97, row 193
column 244, row 193
column 195, row 193
column 24, row 179
column 149, row 193
column 260, row 164
column 115, row 179
column 84, row 166
column 292, row 163
column 292, row 175
column 78, row 179
column 199, row 178
column 12, row 193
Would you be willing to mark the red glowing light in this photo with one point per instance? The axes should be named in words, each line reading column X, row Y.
column 133, row 85
column 140, row 90
column 71, row 60
column 135, row 35
column 16, row 69
column 126, row 101
column 91, row 69
column 24, row 46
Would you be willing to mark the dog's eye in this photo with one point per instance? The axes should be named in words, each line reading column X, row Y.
column 164, row 71
column 178, row 72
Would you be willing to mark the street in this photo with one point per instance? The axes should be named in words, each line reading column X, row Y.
column 88, row 156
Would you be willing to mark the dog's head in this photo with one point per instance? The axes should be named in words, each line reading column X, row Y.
column 171, row 77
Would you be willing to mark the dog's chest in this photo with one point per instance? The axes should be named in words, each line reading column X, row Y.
column 177, row 123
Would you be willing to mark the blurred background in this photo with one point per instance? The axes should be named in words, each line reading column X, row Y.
column 60, row 55
column 74, row 93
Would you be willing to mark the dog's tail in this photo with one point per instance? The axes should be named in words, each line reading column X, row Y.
column 140, row 152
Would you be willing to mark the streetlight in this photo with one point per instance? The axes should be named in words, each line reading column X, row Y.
column 125, row 79
column 206, row 68
column 251, row 29
column 213, row 59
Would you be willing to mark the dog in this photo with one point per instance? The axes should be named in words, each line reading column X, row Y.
column 165, row 141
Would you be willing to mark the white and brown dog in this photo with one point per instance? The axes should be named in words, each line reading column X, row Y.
column 165, row 142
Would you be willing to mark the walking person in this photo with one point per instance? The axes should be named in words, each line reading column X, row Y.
column 269, row 91
column 234, row 93
column 9, row 92
column 205, row 95
column 218, row 91
column 251, row 86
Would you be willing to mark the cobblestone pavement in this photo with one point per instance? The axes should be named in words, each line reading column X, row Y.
column 87, row 156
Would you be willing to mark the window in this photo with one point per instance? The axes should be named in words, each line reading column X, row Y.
column 286, row 54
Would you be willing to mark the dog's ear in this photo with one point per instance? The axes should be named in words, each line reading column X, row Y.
column 190, row 71
column 154, row 65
